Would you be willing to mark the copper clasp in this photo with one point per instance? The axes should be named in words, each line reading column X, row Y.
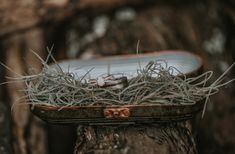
column 116, row 112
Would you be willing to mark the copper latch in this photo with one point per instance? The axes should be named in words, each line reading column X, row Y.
column 116, row 113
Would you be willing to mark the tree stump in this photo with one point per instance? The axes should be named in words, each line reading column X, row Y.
column 133, row 139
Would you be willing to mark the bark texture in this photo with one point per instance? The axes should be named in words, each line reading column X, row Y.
column 164, row 139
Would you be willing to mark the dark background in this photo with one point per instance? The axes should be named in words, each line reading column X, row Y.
column 88, row 29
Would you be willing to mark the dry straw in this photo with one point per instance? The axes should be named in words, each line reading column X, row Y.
column 154, row 84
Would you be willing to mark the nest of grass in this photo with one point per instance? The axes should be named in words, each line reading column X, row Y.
column 154, row 84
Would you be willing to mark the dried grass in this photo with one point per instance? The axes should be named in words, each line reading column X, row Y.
column 154, row 84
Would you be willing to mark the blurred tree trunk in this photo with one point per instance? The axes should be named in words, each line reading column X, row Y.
column 29, row 135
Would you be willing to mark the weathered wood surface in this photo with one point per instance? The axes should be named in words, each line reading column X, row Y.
column 151, row 139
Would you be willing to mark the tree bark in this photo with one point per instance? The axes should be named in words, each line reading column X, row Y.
column 151, row 139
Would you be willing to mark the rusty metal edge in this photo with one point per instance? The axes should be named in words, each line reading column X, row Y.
column 94, row 114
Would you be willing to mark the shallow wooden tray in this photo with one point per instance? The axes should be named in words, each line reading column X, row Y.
column 117, row 114
column 187, row 63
